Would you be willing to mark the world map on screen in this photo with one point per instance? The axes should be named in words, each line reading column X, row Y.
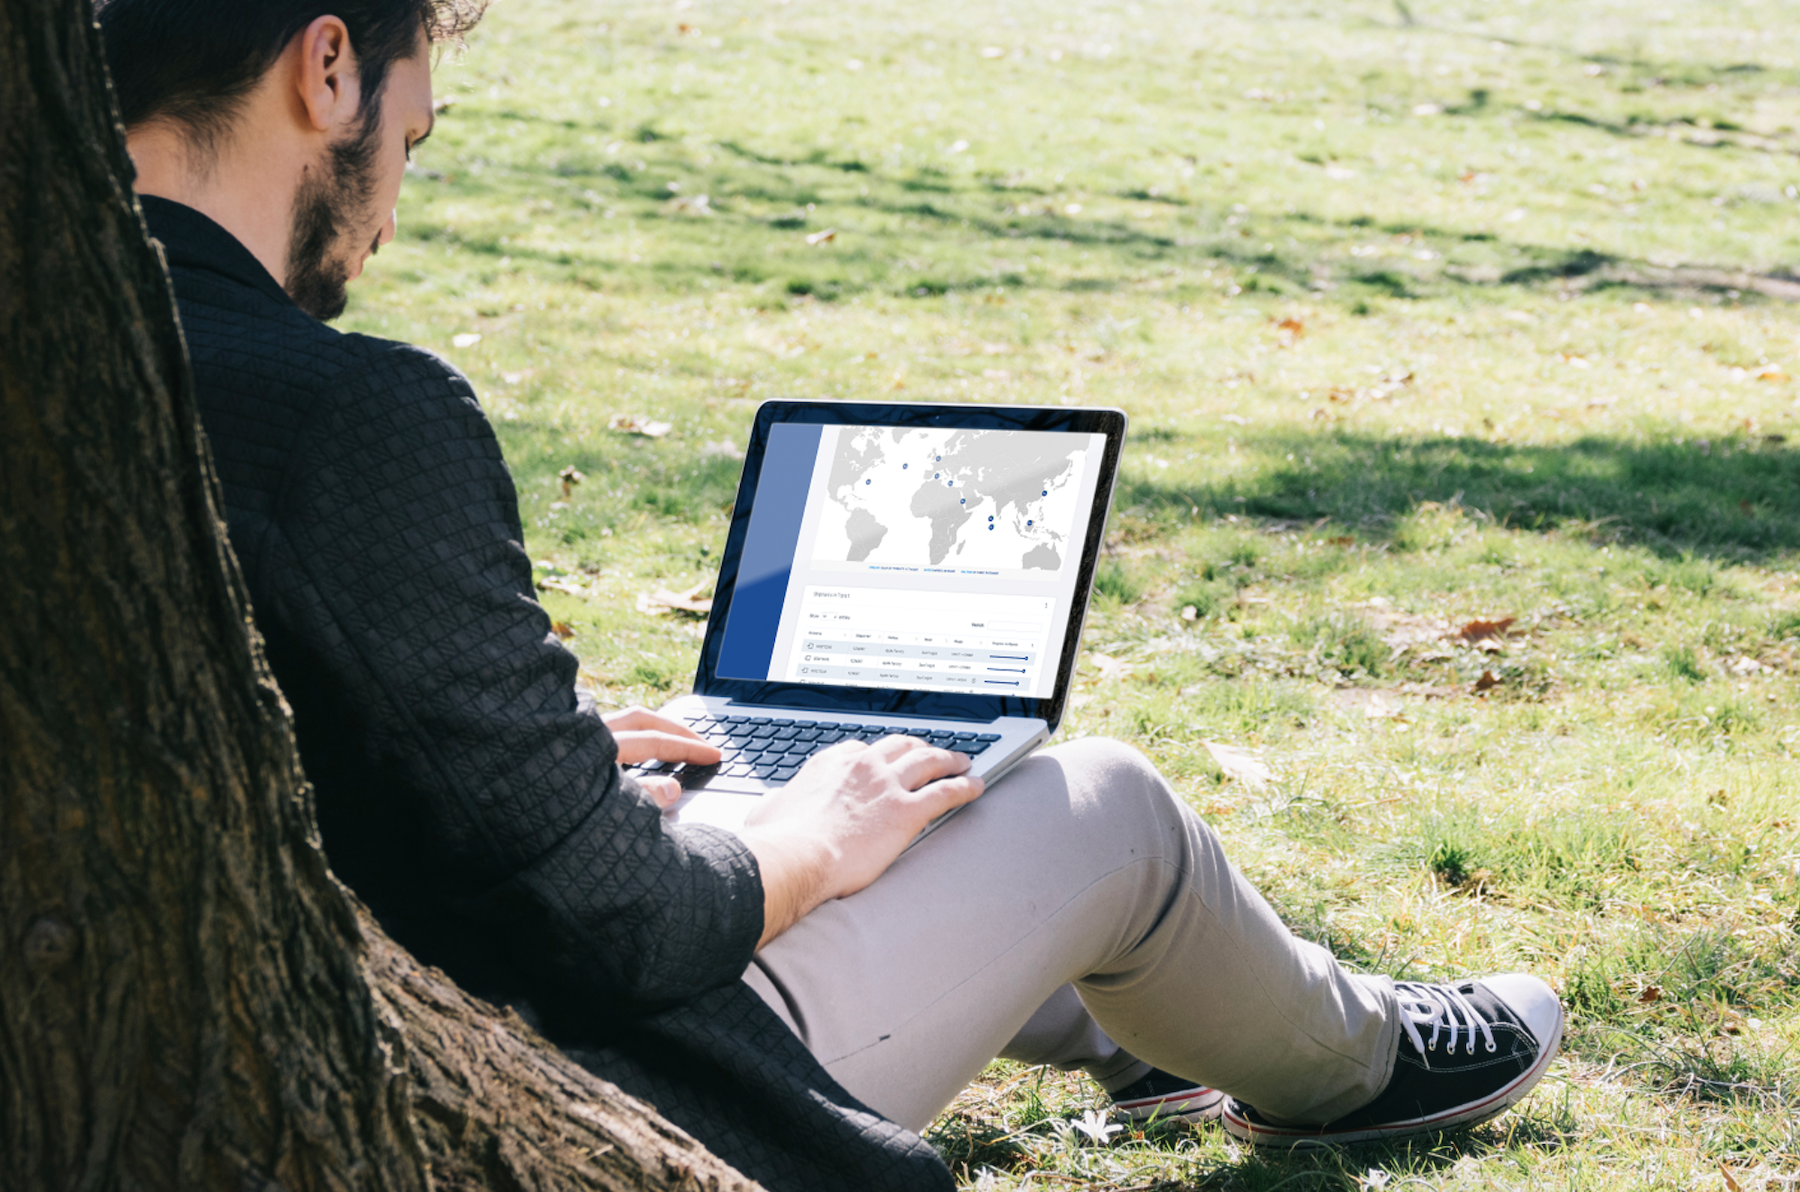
column 981, row 499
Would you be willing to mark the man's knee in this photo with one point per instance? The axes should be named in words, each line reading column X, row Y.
column 1119, row 786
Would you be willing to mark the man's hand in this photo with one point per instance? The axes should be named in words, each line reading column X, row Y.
column 846, row 815
column 643, row 735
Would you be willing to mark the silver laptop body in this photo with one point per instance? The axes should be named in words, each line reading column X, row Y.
column 917, row 569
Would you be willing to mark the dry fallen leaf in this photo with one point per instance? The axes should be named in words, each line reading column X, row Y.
column 637, row 424
column 1237, row 764
column 562, row 629
column 570, row 477
column 662, row 600
column 553, row 584
column 1487, row 680
column 1651, row 995
column 1294, row 328
column 825, row 237
column 1481, row 631
column 1731, row 1183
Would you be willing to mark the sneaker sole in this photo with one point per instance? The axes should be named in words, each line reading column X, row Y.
column 1201, row 1105
column 1470, row 1114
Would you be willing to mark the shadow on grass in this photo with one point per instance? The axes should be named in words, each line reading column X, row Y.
column 965, row 207
column 1734, row 500
column 970, row 1145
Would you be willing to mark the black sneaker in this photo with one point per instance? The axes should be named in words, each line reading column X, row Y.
column 1167, row 1097
column 1467, row 1052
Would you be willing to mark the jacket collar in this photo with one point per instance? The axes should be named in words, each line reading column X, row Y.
column 191, row 239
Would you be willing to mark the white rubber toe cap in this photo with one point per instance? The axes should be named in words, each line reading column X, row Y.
column 1533, row 1001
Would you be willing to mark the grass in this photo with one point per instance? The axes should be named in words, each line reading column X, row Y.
column 1424, row 314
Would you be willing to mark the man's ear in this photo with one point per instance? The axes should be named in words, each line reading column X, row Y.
column 329, row 86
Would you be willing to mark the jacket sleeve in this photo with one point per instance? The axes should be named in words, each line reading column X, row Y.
column 409, row 588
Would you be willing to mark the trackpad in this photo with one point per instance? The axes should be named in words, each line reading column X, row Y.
column 717, row 808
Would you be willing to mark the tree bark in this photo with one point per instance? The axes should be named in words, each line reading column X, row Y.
column 188, row 999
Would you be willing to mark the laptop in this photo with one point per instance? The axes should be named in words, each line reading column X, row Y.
column 918, row 569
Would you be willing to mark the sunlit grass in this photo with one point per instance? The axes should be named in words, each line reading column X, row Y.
column 1424, row 315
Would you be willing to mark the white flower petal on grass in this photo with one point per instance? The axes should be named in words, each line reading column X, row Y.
column 467, row 339
column 1093, row 1123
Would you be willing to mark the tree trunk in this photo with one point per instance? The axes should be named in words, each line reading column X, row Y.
column 188, row 999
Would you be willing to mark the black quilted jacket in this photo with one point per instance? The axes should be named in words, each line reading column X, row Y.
column 465, row 790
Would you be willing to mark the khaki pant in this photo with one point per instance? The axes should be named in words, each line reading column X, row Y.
column 1079, row 868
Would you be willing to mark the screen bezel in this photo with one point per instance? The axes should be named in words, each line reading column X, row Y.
column 872, row 700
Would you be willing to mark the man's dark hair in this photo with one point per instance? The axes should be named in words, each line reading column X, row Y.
column 193, row 61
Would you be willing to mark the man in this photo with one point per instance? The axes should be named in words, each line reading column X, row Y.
column 804, row 996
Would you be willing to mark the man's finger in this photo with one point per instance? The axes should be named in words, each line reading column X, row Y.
column 635, row 747
column 920, row 766
column 948, row 793
column 666, row 791
column 889, row 748
column 644, row 720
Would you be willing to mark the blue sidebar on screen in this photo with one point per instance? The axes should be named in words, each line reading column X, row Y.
column 768, row 557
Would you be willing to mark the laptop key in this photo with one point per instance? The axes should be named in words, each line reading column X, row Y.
column 988, row 737
column 785, row 773
column 763, row 770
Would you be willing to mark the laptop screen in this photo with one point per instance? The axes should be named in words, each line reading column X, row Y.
column 940, row 551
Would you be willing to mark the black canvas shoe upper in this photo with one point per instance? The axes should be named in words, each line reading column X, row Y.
column 1466, row 1052
column 1460, row 1044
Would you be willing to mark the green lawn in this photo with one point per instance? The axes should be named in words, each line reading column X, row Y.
column 1423, row 314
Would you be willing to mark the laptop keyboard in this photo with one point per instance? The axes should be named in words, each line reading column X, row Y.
column 773, row 748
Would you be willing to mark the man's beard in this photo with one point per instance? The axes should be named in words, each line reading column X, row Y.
column 330, row 201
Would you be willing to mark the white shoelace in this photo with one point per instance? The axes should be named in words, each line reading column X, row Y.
column 1439, row 1007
